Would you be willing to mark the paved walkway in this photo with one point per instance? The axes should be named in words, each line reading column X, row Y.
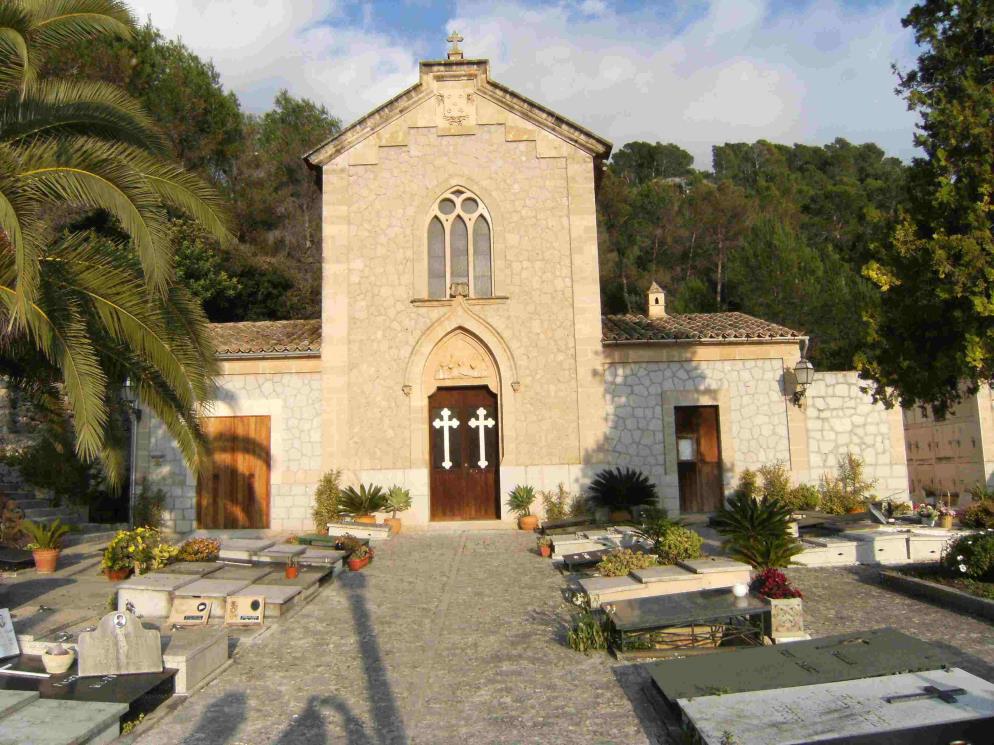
column 451, row 638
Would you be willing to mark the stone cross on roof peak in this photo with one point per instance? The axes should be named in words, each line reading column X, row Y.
column 454, row 51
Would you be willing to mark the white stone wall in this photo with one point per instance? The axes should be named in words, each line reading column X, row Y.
column 843, row 418
column 755, row 415
column 293, row 403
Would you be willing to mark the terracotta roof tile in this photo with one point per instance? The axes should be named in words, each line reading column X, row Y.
column 267, row 337
column 692, row 327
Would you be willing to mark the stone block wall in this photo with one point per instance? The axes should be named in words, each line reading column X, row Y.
column 842, row 418
column 292, row 400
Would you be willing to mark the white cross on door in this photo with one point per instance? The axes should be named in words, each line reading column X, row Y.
column 482, row 423
column 446, row 422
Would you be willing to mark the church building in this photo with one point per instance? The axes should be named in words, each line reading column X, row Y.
column 462, row 349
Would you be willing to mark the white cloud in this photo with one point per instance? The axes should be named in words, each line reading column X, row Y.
column 740, row 71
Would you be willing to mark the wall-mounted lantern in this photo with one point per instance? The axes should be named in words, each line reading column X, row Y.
column 804, row 374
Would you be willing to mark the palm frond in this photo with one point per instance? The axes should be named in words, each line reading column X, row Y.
column 55, row 23
column 78, row 107
column 16, row 64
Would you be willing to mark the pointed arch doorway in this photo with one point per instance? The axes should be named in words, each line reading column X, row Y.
column 464, row 453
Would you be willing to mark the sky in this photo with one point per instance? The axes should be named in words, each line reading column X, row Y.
column 694, row 73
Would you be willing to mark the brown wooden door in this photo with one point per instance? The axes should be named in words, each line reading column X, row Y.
column 463, row 484
column 233, row 487
column 698, row 458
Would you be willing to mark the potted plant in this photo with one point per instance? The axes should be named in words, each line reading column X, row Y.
column 361, row 503
column 545, row 546
column 786, row 611
column 57, row 659
column 618, row 490
column 348, row 543
column 292, row 570
column 46, row 543
column 520, row 502
column 927, row 514
column 360, row 558
column 139, row 550
column 398, row 500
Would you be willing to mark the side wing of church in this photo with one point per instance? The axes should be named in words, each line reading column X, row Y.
column 462, row 350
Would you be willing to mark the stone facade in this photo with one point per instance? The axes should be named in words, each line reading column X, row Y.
column 289, row 393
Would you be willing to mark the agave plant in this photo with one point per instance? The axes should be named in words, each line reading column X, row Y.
column 45, row 536
column 520, row 500
column 398, row 499
column 89, row 309
column 362, row 501
column 622, row 489
column 756, row 532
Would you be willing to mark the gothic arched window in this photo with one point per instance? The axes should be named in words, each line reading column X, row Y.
column 460, row 243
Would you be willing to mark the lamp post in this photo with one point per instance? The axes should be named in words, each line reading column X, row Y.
column 804, row 374
column 129, row 393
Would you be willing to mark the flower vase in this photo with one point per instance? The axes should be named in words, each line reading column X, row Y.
column 929, row 521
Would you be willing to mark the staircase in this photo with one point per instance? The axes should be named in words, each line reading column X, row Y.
column 41, row 508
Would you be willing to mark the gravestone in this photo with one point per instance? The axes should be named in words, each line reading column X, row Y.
column 120, row 645
column 711, row 564
column 281, row 553
column 242, row 549
column 245, row 610
column 321, row 557
column 189, row 612
column 150, row 595
column 212, row 590
column 308, row 580
column 8, row 639
column 899, row 708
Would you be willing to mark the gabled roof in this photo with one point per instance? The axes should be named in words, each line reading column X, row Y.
column 691, row 327
column 262, row 338
column 421, row 91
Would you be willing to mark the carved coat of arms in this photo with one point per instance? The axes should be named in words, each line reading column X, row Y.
column 456, row 107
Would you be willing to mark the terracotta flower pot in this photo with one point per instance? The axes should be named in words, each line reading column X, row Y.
column 46, row 559
column 856, row 510
column 365, row 519
column 528, row 522
column 545, row 551
column 356, row 564
column 620, row 516
column 393, row 523
column 116, row 575
column 291, row 572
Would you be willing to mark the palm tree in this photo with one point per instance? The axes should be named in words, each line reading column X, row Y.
column 93, row 307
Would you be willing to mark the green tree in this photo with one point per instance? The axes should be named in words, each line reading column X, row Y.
column 934, row 328
column 640, row 162
column 84, row 307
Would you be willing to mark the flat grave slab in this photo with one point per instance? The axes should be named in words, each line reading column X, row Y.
column 585, row 558
column 121, row 689
column 15, row 557
column 196, row 568
column 314, row 539
column 11, row 701
column 278, row 599
column 667, row 573
column 48, row 722
column 307, row 577
column 830, row 659
column 712, row 564
column 321, row 557
column 378, row 531
column 150, row 594
column 894, row 709
column 195, row 655
column 216, row 590
column 280, row 553
column 248, row 573
column 243, row 549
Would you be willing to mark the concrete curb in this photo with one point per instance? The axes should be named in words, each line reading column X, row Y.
column 947, row 597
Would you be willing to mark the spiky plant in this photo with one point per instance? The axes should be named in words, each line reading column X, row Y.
column 362, row 501
column 622, row 489
column 520, row 500
column 45, row 535
column 82, row 311
column 398, row 499
column 755, row 530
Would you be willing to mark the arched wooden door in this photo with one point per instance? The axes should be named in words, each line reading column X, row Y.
column 464, row 454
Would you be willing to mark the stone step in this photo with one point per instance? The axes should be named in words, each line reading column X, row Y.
column 93, row 533
column 32, row 503
column 63, row 722
column 22, row 495
column 67, row 514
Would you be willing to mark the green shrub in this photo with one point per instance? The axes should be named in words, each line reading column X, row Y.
column 755, row 531
column 326, row 501
column 775, row 480
column 141, row 549
column 653, row 524
column 199, row 549
column 978, row 515
column 679, row 544
column 620, row 563
column 148, row 508
column 579, row 507
column 980, row 492
column 588, row 633
column 622, row 488
column 772, row 481
column 556, row 504
column 365, row 500
column 520, row 500
column 398, row 500
column 971, row 556
column 847, row 489
column 802, row 497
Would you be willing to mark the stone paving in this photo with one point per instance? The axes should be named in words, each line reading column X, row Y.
column 449, row 638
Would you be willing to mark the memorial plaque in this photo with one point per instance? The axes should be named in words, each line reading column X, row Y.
column 119, row 646
column 786, row 617
column 189, row 612
column 245, row 610
column 8, row 639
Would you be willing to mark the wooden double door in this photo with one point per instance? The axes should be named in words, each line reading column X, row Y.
column 698, row 445
column 464, row 454
column 233, row 486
